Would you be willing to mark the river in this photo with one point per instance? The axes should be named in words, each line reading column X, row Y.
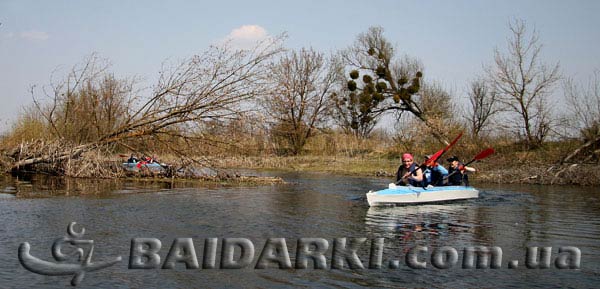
column 311, row 205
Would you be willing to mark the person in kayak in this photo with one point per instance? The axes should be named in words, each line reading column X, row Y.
column 147, row 159
column 458, row 172
column 132, row 159
column 409, row 173
column 435, row 174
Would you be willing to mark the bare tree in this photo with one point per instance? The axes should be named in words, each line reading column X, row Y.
column 351, row 110
column 483, row 105
column 87, row 104
column 212, row 85
column 300, row 101
column 387, row 83
column 524, row 83
column 438, row 108
column 584, row 105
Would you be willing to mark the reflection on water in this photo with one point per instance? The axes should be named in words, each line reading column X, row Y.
column 407, row 222
column 44, row 186
column 38, row 209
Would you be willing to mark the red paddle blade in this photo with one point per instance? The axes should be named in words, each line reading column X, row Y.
column 484, row 154
column 438, row 154
column 434, row 158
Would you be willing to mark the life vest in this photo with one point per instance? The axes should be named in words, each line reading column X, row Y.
column 458, row 178
column 402, row 171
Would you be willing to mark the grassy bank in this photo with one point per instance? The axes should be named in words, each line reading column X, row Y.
column 496, row 169
column 361, row 166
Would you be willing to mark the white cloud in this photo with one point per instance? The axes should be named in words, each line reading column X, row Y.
column 35, row 35
column 245, row 36
column 248, row 32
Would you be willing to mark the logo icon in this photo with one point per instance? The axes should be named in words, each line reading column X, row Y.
column 82, row 253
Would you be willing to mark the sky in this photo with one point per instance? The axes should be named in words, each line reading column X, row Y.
column 453, row 39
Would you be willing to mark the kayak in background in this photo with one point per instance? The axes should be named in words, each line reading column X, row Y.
column 139, row 166
column 414, row 195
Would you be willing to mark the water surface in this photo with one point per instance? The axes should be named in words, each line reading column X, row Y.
column 313, row 205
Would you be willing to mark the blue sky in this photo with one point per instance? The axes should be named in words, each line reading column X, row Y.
column 453, row 39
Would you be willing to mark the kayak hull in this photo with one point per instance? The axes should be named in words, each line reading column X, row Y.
column 416, row 195
column 133, row 167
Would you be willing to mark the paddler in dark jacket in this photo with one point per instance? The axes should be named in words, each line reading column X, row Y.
column 458, row 172
column 409, row 173
column 132, row 159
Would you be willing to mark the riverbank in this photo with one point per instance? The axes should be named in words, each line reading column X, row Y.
column 510, row 164
column 493, row 170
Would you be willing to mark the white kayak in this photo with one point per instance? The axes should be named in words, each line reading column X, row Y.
column 137, row 166
column 412, row 195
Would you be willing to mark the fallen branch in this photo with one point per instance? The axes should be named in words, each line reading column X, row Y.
column 584, row 147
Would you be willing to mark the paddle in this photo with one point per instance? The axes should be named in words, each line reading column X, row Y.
column 439, row 153
column 149, row 160
column 482, row 155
